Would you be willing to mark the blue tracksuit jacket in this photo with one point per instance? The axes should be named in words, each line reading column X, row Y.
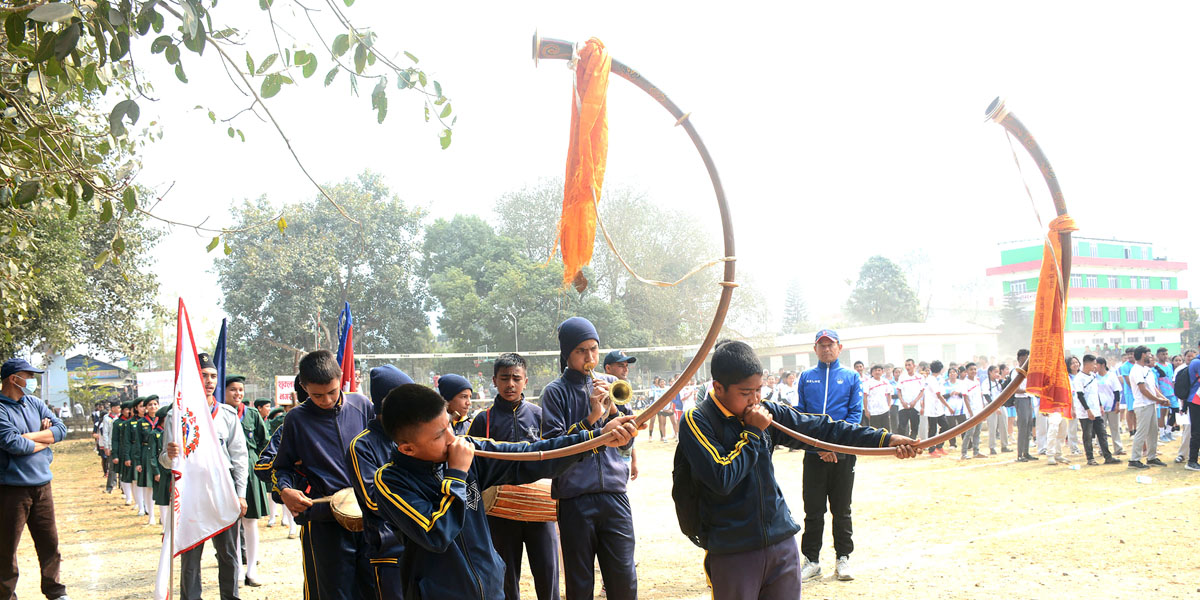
column 741, row 506
column 565, row 405
column 369, row 451
column 831, row 389
column 317, row 439
column 449, row 552
column 509, row 422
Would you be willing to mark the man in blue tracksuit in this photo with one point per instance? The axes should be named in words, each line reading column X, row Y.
column 594, row 518
column 833, row 390
column 512, row 419
column 431, row 491
column 313, row 443
column 369, row 451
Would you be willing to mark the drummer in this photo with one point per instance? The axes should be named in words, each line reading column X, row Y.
column 594, row 515
column 511, row 419
column 316, row 435
column 431, row 490
column 457, row 392
column 369, row 451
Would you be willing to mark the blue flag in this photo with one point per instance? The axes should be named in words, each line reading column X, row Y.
column 219, row 359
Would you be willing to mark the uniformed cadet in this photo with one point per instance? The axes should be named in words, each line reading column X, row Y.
column 162, row 475
column 512, row 419
column 255, row 431
column 122, row 434
column 457, row 391
column 147, row 466
column 370, row 451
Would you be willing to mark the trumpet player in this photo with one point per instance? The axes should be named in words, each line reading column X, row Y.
column 594, row 516
column 616, row 364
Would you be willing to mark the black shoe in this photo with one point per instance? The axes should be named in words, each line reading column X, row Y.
column 992, row 452
column 1191, row 466
column 1137, row 464
column 1111, row 461
column 1022, row 459
column 252, row 582
column 1156, row 462
column 1092, row 462
column 1031, row 457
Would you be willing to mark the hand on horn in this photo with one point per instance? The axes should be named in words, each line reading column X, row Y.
column 623, row 429
column 905, row 447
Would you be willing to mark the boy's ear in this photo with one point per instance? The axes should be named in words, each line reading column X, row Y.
column 406, row 448
column 718, row 389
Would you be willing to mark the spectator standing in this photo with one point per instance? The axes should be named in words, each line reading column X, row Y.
column 1193, row 405
column 787, row 389
column 27, row 430
column 972, row 395
column 1165, row 372
column 909, row 386
column 1089, row 414
column 1024, row 414
column 997, row 423
column 1143, row 380
column 1108, row 388
column 877, row 398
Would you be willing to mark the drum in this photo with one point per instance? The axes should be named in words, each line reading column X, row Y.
column 346, row 510
column 529, row 502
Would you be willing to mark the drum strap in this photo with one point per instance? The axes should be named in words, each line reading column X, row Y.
column 487, row 423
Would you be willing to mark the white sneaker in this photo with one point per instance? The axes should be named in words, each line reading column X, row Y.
column 810, row 570
column 842, row 570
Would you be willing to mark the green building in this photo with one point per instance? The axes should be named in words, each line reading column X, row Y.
column 1121, row 293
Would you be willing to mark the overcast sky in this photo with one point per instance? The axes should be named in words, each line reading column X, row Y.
column 841, row 130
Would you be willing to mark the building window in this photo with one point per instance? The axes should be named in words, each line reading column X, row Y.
column 1126, row 251
column 1131, row 314
column 1134, row 282
column 1097, row 341
column 1134, row 340
column 1091, row 281
column 1076, row 281
column 1083, row 249
column 1116, row 341
column 1147, row 314
column 1112, row 281
column 1145, row 283
column 1149, row 339
column 1166, row 283
column 1137, row 252
column 1076, row 316
column 1114, row 315
column 1017, row 287
column 1097, row 314
column 1167, row 310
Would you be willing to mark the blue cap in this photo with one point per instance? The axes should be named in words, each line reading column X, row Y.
column 17, row 365
column 828, row 333
column 616, row 356
column 384, row 379
column 572, row 333
column 450, row 385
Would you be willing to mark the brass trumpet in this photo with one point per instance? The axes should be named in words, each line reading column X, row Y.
column 619, row 392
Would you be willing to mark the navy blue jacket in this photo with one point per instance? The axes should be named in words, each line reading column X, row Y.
column 509, row 422
column 565, row 406
column 317, row 439
column 831, row 389
column 264, row 469
column 460, row 426
column 439, row 511
column 19, row 464
column 369, row 451
column 741, row 507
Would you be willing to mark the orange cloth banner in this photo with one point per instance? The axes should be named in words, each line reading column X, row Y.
column 586, row 159
column 1047, row 368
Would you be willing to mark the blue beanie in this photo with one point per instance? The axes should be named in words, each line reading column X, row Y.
column 449, row 385
column 571, row 333
column 384, row 379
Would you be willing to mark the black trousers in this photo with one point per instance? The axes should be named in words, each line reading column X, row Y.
column 1095, row 427
column 225, row 544
column 910, row 422
column 32, row 506
column 1024, row 425
column 389, row 583
column 1194, row 415
column 878, row 421
column 510, row 538
column 894, row 418
column 336, row 563
column 832, row 484
column 937, row 425
column 597, row 527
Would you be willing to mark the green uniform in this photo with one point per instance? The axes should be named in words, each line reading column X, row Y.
column 142, row 447
column 256, row 441
column 124, row 445
column 276, row 422
column 162, row 487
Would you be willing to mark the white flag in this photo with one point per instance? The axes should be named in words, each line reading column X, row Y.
column 204, row 500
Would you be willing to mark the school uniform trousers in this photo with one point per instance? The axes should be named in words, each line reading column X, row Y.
column 597, row 525
column 878, row 421
column 1112, row 419
column 1094, row 427
column 225, row 544
column 909, row 422
column 997, row 427
column 770, row 573
column 540, row 541
column 894, row 417
column 831, row 482
column 1024, row 420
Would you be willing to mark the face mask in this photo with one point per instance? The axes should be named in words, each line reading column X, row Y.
column 30, row 386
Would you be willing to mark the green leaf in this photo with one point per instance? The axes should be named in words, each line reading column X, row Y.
column 437, row 89
column 249, row 64
column 230, row 132
column 196, row 43
column 426, row 114
column 310, row 66
column 360, row 58
column 118, row 245
column 379, row 100
column 27, row 192
column 330, row 75
column 106, row 211
column 119, row 46
column 271, row 85
column 212, row 116
column 444, row 138
column 349, row 2
column 65, row 43
column 411, row 57
column 228, row 250
column 45, row 47
column 241, row 135
column 160, row 43
column 14, row 27
column 116, row 118
column 282, row 224
column 129, row 199
column 56, row 12
column 445, row 111
column 266, row 63
column 421, row 77
column 341, row 44
column 179, row 73
column 265, row 4
column 213, row 244
column 172, row 54
column 191, row 19
column 100, row 260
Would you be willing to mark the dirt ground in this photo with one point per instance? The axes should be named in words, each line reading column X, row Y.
column 924, row 528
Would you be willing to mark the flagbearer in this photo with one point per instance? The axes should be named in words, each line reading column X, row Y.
column 255, row 431
column 233, row 444
column 369, row 452
column 317, row 435
column 147, row 455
